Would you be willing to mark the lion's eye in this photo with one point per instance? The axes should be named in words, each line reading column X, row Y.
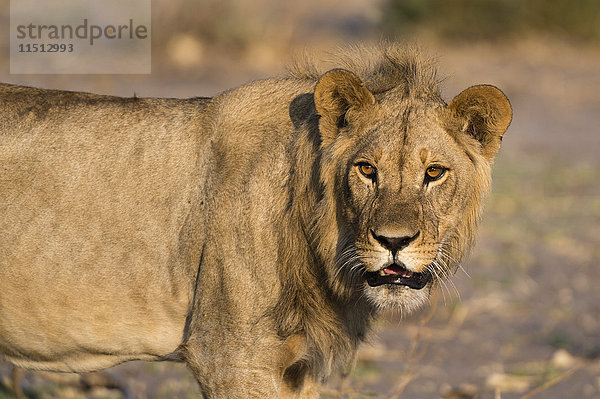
column 434, row 173
column 367, row 170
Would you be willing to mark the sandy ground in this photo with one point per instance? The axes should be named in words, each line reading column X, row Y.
column 522, row 319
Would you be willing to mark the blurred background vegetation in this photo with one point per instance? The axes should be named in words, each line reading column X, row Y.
column 467, row 20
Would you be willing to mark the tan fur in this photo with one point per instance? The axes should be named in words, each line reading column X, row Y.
column 233, row 233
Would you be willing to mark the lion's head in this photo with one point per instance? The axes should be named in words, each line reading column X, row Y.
column 403, row 173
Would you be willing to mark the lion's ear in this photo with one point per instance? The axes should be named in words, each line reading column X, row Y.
column 335, row 93
column 487, row 112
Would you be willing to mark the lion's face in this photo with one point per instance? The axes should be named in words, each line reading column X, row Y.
column 408, row 176
column 406, row 184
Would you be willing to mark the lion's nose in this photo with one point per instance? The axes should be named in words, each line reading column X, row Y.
column 395, row 243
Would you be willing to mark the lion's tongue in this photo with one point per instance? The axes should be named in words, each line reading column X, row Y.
column 397, row 270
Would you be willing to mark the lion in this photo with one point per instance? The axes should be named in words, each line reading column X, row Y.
column 254, row 235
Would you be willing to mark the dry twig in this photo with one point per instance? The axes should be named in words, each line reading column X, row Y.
column 554, row 381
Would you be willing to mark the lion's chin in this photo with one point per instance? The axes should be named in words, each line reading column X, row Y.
column 396, row 297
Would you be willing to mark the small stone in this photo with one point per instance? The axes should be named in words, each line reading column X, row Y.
column 185, row 51
column 509, row 383
column 563, row 359
column 464, row 391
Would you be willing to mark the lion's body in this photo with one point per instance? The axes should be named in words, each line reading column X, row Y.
column 94, row 198
column 106, row 208
column 218, row 231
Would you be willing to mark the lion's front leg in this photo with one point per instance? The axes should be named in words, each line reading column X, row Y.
column 233, row 371
column 306, row 389
column 297, row 382
column 257, row 368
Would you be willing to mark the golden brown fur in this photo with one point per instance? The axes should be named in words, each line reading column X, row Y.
column 244, row 234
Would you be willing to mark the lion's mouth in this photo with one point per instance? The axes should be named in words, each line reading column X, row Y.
column 398, row 275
